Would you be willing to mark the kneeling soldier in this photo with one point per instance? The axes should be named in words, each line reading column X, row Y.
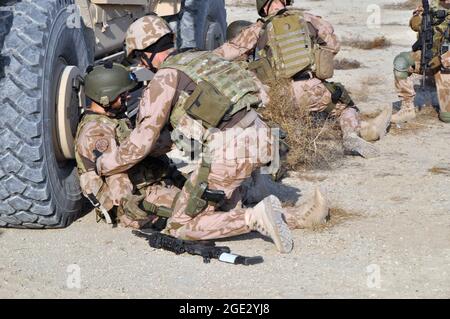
column 101, row 130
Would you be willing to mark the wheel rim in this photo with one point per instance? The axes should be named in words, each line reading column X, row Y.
column 69, row 101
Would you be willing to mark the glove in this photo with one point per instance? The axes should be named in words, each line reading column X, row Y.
column 435, row 63
column 130, row 206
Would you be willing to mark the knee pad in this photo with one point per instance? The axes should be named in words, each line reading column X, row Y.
column 402, row 63
column 444, row 117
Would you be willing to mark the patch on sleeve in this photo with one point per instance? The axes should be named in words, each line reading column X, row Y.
column 102, row 145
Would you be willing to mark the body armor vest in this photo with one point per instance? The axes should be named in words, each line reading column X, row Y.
column 222, row 88
column 288, row 46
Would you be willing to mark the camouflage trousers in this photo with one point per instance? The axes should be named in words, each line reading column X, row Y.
column 405, row 87
column 229, row 169
column 313, row 95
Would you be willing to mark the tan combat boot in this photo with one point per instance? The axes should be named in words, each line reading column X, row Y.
column 376, row 128
column 313, row 212
column 407, row 113
column 267, row 219
column 355, row 145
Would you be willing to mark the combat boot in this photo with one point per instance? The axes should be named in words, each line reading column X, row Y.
column 407, row 113
column 267, row 219
column 376, row 128
column 313, row 212
column 355, row 145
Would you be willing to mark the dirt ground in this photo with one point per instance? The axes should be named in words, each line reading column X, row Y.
column 390, row 234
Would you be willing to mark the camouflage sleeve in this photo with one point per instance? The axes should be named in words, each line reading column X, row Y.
column 154, row 110
column 325, row 32
column 93, row 136
column 241, row 45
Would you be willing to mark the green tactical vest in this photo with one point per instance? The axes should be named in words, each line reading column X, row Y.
column 289, row 48
column 122, row 131
column 223, row 88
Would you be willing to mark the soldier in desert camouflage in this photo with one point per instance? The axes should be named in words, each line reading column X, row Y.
column 279, row 46
column 208, row 104
column 101, row 130
column 407, row 66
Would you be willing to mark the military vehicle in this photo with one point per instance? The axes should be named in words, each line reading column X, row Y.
column 45, row 47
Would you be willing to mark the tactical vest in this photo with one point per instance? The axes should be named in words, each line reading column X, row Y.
column 122, row 131
column 222, row 88
column 288, row 46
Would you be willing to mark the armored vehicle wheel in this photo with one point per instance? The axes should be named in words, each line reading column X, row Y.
column 43, row 49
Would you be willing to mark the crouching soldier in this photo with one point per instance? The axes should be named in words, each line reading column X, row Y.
column 408, row 64
column 209, row 105
column 287, row 43
column 101, row 130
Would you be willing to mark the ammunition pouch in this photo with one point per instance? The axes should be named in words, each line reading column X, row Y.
column 207, row 104
column 263, row 70
column 338, row 94
column 324, row 63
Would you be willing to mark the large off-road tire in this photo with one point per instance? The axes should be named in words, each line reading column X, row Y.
column 38, row 189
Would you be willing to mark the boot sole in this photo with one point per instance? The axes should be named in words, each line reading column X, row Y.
column 283, row 241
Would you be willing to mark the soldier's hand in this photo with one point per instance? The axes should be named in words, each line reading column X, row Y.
column 435, row 63
column 130, row 205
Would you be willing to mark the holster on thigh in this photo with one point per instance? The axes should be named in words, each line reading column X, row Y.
column 338, row 94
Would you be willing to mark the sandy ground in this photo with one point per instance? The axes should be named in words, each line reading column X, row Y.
column 394, row 240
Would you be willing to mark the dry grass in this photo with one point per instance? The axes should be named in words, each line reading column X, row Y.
column 406, row 5
column 314, row 142
column 358, row 43
column 346, row 64
column 436, row 170
column 336, row 217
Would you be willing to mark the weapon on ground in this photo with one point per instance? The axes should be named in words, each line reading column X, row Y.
column 206, row 249
column 425, row 41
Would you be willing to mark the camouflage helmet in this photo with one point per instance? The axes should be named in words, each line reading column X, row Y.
column 260, row 4
column 236, row 27
column 104, row 83
column 145, row 32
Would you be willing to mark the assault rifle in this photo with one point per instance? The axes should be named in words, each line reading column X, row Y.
column 425, row 41
column 206, row 249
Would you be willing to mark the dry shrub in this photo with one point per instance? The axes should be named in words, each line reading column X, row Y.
column 346, row 64
column 314, row 142
column 439, row 170
column 405, row 5
column 376, row 43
